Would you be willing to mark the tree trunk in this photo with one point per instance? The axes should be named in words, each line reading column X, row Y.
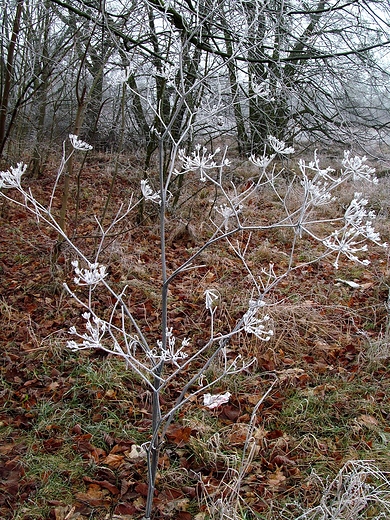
column 8, row 75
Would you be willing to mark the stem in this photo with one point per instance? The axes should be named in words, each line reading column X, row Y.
column 154, row 448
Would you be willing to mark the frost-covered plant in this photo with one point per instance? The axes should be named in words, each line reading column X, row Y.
column 172, row 356
column 78, row 144
column 280, row 146
column 148, row 193
column 359, row 490
column 11, row 178
column 200, row 160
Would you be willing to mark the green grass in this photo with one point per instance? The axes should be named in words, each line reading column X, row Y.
column 57, row 477
column 95, row 402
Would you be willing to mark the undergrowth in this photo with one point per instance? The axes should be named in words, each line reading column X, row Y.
column 71, row 426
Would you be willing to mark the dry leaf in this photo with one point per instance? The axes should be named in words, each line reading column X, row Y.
column 65, row 513
column 179, row 435
column 276, row 479
column 112, row 460
column 368, row 421
column 136, row 452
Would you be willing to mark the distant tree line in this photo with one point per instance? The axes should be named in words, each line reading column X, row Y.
column 118, row 72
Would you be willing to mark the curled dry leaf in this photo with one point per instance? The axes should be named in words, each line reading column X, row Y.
column 136, row 452
column 65, row 513
column 276, row 479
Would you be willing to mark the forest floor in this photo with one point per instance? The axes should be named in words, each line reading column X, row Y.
column 69, row 420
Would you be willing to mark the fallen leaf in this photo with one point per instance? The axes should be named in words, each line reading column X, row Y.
column 65, row 513
column 230, row 412
column 368, row 421
column 276, row 479
column 183, row 515
column 136, row 452
column 282, row 460
column 179, row 435
column 142, row 489
column 103, row 484
column 112, row 460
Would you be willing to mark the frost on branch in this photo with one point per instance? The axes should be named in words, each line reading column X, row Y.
column 262, row 90
column 349, row 240
column 354, row 167
column 263, row 161
column 78, row 144
column 260, row 327
column 89, row 276
column 11, row 178
column 148, row 193
column 211, row 297
column 200, row 160
column 169, row 354
column 228, row 212
column 318, row 192
column 280, row 146
column 93, row 339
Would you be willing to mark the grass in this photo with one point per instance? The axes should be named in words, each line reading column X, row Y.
column 57, row 476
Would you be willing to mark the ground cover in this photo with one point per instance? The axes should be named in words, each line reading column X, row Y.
column 72, row 424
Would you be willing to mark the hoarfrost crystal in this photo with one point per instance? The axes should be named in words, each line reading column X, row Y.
column 262, row 90
column 356, row 168
column 211, row 297
column 358, row 227
column 257, row 326
column 262, row 162
column 11, row 178
column 148, row 193
column 318, row 192
column 169, row 354
column 280, row 146
column 96, row 329
column 229, row 211
column 89, row 276
column 200, row 160
column 78, row 144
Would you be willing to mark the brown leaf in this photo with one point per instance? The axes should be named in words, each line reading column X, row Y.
column 6, row 448
column 183, row 515
column 275, row 434
column 53, row 444
column 97, row 454
column 104, row 484
column 282, row 460
column 125, row 508
column 276, row 479
column 179, row 435
column 112, row 460
column 65, row 513
column 368, row 421
column 231, row 412
column 142, row 489
column 94, row 496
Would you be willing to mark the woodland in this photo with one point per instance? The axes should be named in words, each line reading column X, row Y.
column 194, row 262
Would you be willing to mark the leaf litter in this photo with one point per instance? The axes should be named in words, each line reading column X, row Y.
column 89, row 417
